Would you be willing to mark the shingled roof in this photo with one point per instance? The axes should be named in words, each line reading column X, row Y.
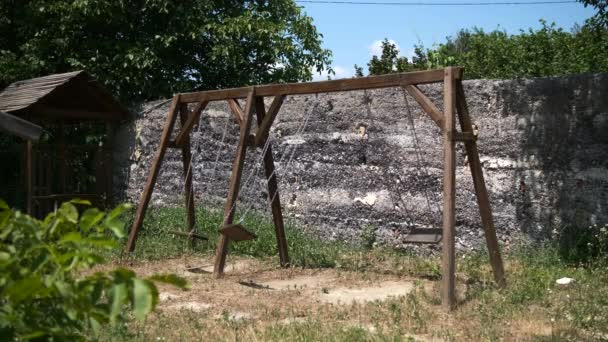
column 72, row 95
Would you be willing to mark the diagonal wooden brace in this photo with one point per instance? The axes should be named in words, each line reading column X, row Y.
column 427, row 105
column 264, row 127
column 193, row 118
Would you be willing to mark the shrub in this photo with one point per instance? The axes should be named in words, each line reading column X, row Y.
column 45, row 289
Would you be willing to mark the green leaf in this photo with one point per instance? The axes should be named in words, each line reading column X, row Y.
column 90, row 218
column 118, row 297
column 80, row 201
column 3, row 205
column 171, row 279
column 145, row 297
column 23, row 288
column 116, row 212
column 69, row 212
column 117, row 227
column 71, row 237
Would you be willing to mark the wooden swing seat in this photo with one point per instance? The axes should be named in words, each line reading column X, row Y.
column 424, row 236
column 190, row 235
column 236, row 232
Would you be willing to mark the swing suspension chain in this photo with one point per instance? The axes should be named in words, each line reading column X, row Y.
column 299, row 132
column 419, row 156
column 368, row 107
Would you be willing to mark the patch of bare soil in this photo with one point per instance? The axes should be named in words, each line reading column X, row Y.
column 251, row 289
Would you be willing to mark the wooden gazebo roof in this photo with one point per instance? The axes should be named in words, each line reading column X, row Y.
column 73, row 96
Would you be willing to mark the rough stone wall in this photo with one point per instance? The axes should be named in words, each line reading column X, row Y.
column 543, row 144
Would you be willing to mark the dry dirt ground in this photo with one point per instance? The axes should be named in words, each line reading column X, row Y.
column 254, row 295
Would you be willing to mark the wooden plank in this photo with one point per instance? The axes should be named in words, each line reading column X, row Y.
column 187, row 163
column 153, row 174
column 427, row 105
column 481, row 192
column 192, row 120
column 267, row 119
column 19, row 127
column 448, row 281
column 29, row 176
column 236, row 109
column 359, row 83
column 64, row 113
column 271, row 179
column 235, row 182
column 424, row 236
column 237, row 232
column 189, row 235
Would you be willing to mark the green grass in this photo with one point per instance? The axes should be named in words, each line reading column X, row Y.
column 154, row 241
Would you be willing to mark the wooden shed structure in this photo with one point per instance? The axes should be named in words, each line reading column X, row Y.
column 74, row 156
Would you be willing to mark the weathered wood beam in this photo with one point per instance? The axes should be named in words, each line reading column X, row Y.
column 267, row 119
column 19, row 127
column 481, row 192
column 154, row 170
column 235, row 182
column 448, row 259
column 236, row 109
column 427, row 105
column 192, row 120
column 359, row 83
column 187, row 164
column 55, row 112
column 271, row 179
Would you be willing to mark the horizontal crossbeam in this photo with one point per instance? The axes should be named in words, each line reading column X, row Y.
column 358, row 83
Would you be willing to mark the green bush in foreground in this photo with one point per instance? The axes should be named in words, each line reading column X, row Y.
column 44, row 290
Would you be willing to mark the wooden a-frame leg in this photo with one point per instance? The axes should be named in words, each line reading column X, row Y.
column 155, row 168
column 273, row 190
column 233, row 187
column 448, row 280
column 480, row 189
column 187, row 162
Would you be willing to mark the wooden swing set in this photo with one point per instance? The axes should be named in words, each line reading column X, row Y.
column 454, row 103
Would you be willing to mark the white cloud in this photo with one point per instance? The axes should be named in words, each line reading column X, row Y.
column 340, row 72
column 375, row 48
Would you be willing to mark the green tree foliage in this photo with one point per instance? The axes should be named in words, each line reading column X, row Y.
column 389, row 61
column 45, row 291
column 548, row 51
column 148, row 49
column 601, row 17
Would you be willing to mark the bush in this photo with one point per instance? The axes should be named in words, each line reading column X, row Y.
column 44, row 290
column 583, row 245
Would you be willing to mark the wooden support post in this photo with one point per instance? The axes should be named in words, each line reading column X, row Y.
column 235, row 182
column 187, row 162
column 480, row 188
column 29, row 174
column 155, row 168
column 273, row 188
column 448, row 280
column 109, row 165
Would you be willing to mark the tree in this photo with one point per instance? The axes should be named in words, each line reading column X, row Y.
column 149, row 49
column 548, row 51
column 389, row 61
column 601, row 17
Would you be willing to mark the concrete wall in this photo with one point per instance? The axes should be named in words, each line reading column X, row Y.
column 543, row 145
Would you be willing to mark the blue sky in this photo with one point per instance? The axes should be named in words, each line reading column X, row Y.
column 352, row 32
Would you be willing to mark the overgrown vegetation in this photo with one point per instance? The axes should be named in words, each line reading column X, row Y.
column 144, row 50
column 548, row 51
column 45, row 293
